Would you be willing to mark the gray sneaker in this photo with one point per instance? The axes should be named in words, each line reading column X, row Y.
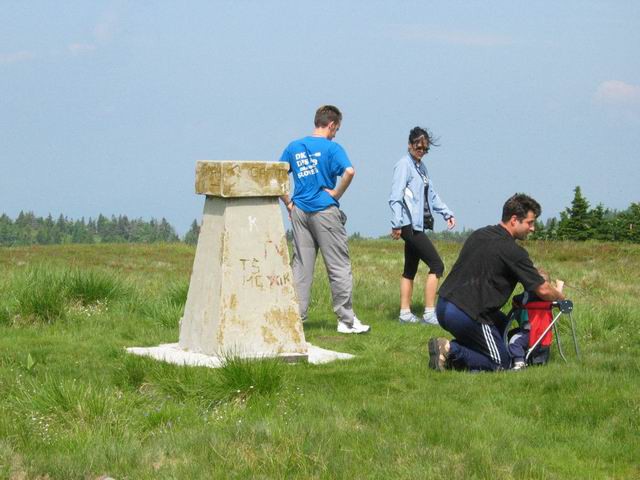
column 408, row 318
column 430, row 319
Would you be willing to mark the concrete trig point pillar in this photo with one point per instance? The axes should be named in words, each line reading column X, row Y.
column 241, row 300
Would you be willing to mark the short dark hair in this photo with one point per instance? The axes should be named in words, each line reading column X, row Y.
column 327, row 114
column 520, row 205
column 417, row 132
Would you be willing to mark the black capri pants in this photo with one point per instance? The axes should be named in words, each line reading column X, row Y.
column 417, row 246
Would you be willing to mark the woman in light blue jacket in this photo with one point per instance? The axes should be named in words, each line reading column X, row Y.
column 413, row 201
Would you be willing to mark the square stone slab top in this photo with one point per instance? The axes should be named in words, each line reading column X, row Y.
column 235, row 178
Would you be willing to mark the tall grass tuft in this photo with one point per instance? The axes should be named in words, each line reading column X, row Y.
column 5, row 315
column 40, row 295
column 168, row 308
column 177, row 293
column 132, row 373
column 91, row 286
column 179, row 383
column 238, row 379
column 164, row 312
column 243, row 377
column 70, row 405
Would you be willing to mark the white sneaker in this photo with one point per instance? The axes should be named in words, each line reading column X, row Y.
column 356, row 327
column 430, row 319
column 518, row 365
column 358, row 324
column 408, row 318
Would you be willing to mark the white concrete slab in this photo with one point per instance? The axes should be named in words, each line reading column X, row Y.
column 172, row 353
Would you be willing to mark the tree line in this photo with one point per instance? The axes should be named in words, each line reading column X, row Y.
column 29, row 229
column 580, row 222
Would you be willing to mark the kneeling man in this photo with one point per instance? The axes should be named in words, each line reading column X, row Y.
column 483, row 278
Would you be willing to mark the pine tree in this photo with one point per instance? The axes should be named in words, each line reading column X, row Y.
column 62, row 225
column 602, row 225
column 7, row 231
column 80, row 233
column 101, row 226
column 575, row 222
column 123, row 228
column 627, row 224
column 191, row 237
column 25, row 228
column 166, row 232
column 551, row 229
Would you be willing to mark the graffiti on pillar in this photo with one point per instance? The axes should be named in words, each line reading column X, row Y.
column 253, row 274
column 279, row 280
column 279, row 248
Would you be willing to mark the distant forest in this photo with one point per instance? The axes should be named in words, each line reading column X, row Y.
column 28, row 229
column 578, row 222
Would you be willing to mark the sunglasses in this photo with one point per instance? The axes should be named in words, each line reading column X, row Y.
column 420, row 146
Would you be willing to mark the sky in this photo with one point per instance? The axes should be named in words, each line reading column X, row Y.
column 106, row 106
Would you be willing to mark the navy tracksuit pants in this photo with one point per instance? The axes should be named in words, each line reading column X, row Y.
column 475, row 346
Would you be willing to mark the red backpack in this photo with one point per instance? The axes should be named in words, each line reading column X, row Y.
column 540, row 317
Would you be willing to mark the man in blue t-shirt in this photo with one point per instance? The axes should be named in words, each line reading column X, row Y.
column 315, row 163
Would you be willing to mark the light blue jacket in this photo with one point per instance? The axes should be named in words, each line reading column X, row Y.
column 407, row 196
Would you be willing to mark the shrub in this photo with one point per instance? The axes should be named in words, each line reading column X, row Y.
column 40, row 295
column 90, row 286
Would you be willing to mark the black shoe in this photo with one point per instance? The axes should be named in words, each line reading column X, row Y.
column 438, row 353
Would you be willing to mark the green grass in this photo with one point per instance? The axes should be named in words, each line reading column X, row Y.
column 39, row 295
column 89, row 287
column 73, row 404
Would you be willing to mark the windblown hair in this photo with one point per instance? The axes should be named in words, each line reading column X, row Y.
column 417, row 132
column 520, row 205
column 327, row 114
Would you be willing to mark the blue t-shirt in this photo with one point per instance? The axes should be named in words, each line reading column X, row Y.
column 316, row 163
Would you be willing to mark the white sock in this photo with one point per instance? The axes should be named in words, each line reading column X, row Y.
column 405, row 311
column 429, row 310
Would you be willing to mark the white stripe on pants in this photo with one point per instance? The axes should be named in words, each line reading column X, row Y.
column 491, row 344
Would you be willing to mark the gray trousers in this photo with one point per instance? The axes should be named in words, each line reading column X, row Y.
column 322, row 230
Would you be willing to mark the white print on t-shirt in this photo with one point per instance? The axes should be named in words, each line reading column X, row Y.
column 306, row 165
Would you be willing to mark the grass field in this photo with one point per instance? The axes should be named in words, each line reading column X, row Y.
column 73, row 404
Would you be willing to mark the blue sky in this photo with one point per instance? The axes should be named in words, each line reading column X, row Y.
column 105, row 106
